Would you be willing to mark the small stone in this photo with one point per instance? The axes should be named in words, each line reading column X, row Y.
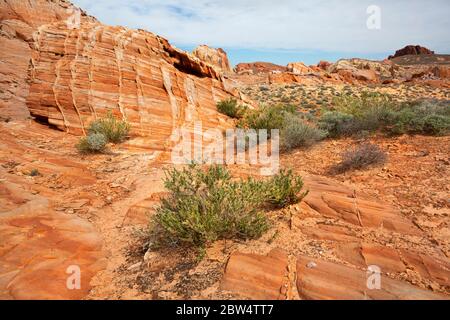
column 311, row 265
column 135, row 266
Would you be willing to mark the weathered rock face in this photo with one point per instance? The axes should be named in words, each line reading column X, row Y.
column 355, row 70
column 323, row 280
column 71, row 74
column 258, row 67
column 342, row 219
column 40, row 245
column 257, row 277
column 18, row 21
column 411, row 50
column 216, row 57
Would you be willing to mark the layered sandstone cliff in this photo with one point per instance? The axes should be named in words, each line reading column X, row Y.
column 70, row 69
column 18, row 21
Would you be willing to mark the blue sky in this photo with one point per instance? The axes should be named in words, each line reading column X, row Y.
column 285, row 31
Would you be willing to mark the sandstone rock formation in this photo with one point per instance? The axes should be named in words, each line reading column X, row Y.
column 323, row 65
column 258, row 67
column 411, row 50
column 298, row 68
column 40, row 246
column 70, row 75
column 18, row 21
column 216, row 57
column 257, row 277
column 323, row 280
column 344, row 219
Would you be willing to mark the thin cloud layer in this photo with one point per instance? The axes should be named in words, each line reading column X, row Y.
column 325, row 25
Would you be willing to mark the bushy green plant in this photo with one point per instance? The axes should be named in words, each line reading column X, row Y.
column 372, row 112
column 337, row 124
column 94, row 142
column 114, row 130
column 284, row 189
column 266, row 117
column 231, row 108
column 297, row 133
column 427, row 118
column 206, row 205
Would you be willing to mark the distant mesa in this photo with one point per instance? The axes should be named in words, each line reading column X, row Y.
column 258, row 67
column 411, row 50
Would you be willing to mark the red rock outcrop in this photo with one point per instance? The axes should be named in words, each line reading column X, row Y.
column 323, row 280
column 18, row 21
column 299, row 68
column 71, row 74
column 411, row 50
column 258, row 67
column 323, row 65
column 39, row 243
column 257, row 277
column 216, row 57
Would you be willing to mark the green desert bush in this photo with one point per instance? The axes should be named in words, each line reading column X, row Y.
column 93, row 143
column 297, row 133
column 430, row 118
column 266, row 117
column 377, row 112
column 231, row 108
column 337, row 124
column 207, row 205
column 360, row 157
column 284, row 189
column 114, row 130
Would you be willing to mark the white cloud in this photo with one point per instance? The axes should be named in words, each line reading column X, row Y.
column 328, row 25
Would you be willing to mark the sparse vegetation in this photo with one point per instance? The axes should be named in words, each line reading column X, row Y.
column 114, row 130
column 266, row 117
column 297, row 133
column 93, row 143
column 101, row 132
column 231, row 108
column 35, row 173
column 373, row 112
column 284, row 189
column 360, row 157
column 206, row 205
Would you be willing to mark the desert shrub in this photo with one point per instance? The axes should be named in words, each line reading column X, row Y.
column 266, row 117
column 337, row 124
column 358, row 106
column 360, row 157
column 284, row 189
column 93, row 143
column 35, row 173
column 207, row 205
column 297, row 133
column 430, row 118
column 373, row 112
column 204, row 206
column 114, row 130
column 231, row 108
